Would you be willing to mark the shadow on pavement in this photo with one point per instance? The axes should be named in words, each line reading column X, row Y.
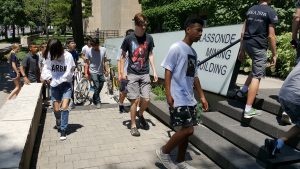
column 72, row 128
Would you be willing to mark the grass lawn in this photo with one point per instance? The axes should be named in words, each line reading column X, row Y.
column 22, row 53
column 42, row 39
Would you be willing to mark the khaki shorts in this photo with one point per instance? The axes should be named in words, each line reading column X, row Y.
column 138, row 86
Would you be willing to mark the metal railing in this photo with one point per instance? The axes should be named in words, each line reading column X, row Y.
column 218, row 52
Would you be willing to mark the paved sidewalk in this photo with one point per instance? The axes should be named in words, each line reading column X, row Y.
column 265, row 83
column 100, row 138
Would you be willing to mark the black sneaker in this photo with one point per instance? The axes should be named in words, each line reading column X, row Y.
column 121, row 109
column 57, row 126
column 271, row 147
column 63, row 135
column 144, row 125
column 134, row 132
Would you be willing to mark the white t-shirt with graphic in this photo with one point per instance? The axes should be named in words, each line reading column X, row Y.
column 60, row 70
column 181, row 60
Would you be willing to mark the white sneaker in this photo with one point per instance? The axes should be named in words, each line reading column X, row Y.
column 165, row 159
column 285, row 118
column 184, row 165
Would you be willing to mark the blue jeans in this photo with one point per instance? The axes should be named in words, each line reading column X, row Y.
column 64, row 120
column 58, row 93
column 98, row 81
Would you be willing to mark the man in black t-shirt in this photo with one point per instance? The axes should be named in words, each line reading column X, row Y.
column 259, row 27
column 29, row 68
column 139, row 46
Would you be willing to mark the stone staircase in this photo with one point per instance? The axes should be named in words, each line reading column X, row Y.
column 234, row 142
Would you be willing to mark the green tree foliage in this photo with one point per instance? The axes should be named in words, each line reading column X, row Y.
column 59, row 12
column 286, row 55
column 35, row 12
column 11, row 13
column 86, row 8
column 169, row 15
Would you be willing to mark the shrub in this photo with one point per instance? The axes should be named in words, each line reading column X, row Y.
column 159, row 91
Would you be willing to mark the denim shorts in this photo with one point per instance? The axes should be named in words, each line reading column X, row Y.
column 292, row 110
column 259, row 60
column 123, row 86
column 183, row 116
column 138, row 86
column 62, row 91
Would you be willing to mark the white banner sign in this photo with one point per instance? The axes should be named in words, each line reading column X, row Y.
column 215, row 74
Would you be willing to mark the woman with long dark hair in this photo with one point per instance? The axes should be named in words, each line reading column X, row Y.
column 58, row 72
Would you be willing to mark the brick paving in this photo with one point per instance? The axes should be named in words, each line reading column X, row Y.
column 100, row 138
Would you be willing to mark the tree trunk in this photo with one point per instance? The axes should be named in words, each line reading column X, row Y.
column 5, row 34
column 23, row 31
column 46, row 19
column 14, row 32
column 77, row 27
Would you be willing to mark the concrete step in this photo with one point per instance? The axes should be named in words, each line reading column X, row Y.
column 266, row 123
column 270, row 101
column 223, row 152
column 266, row 99
column 247, row 138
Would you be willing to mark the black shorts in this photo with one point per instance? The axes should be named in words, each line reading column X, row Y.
column 184, row 116
column 123, row 86
column 12, row 75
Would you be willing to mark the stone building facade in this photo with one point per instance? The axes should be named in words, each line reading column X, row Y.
column 115, row 15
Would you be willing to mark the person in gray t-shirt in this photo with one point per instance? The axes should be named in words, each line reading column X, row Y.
column 289, row 97
column 95, row 59
column 29, row 68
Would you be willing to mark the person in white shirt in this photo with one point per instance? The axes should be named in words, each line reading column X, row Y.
column 180, row 80
column 58, row 72
column 84, row 51
column 86, row 47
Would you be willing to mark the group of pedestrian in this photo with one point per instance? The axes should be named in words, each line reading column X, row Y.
column 29, row 68
column 181, row 77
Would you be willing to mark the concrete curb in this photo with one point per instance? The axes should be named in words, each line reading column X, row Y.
column 19, row 126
